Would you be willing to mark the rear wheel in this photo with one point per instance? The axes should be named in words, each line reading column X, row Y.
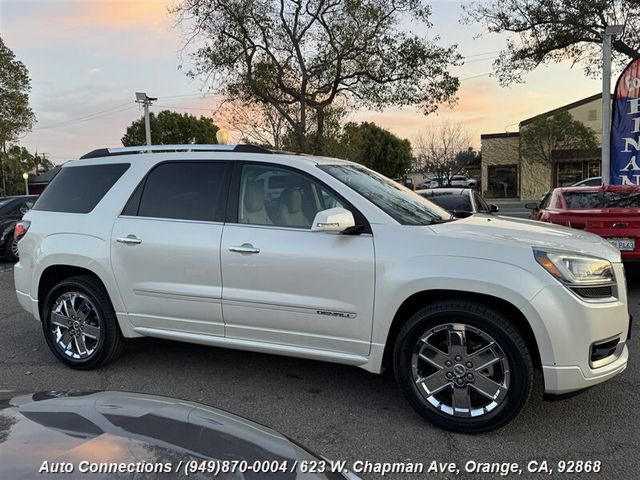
column 463, row 366
column 80, row 325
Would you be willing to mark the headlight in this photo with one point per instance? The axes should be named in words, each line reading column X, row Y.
column 574, row 269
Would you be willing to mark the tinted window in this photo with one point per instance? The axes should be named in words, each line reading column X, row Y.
column 452, row 202
column 281, row 197
column 401, row 204
column 185, row 190
column 600, row 199
column 79, row 189
column 545, row 201
column 481, row 205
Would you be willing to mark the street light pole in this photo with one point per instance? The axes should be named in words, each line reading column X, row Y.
column 26, row 183
column 609, row 32
column 146, row 101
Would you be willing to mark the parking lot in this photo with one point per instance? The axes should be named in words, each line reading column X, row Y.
column 342, row 412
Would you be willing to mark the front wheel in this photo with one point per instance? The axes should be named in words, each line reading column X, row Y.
column 463, row 366
column 80, row 325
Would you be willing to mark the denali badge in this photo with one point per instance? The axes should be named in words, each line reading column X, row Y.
column 336, row 314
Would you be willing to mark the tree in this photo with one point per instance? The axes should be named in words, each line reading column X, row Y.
column 444, row 151
column 258, row 123
column 545, row 31
column 304, row 56
column 169, row 128
column 546, row 134
column 16, row 115
column 376, row 148
column 17, row 160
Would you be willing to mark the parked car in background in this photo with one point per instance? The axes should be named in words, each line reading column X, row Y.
column 611, row 211
column 589, row 182
column 462, row 181
column 461, row 202
column 153, row 436
column 328, row 261
column 454, row 181
column 11, row 211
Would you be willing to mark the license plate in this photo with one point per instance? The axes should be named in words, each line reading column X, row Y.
column 623, row 244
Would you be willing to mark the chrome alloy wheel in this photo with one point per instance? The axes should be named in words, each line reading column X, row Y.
column 14, row 248
column 75, row 325
column 460, row 370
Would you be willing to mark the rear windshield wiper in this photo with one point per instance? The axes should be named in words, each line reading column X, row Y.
column 618, row 201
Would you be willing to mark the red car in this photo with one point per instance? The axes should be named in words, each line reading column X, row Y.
column 611, row 211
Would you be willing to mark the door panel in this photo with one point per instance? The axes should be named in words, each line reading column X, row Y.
column 285, row 284
column 165, row 248
column 171, row 279
column 304, row 288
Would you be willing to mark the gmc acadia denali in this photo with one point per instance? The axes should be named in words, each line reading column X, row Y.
column 239, row 247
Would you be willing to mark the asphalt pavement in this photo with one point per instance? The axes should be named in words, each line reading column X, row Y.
column 341, row 412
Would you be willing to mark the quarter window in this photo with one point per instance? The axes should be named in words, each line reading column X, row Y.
column 184, row 190
column 280, row 197
column 78, row 189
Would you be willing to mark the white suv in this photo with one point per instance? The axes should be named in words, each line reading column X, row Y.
column 330, row 261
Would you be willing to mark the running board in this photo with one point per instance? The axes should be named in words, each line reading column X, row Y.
column 254, row 346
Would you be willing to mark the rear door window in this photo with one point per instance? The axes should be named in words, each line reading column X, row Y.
column 184, row 190
column 79, row 189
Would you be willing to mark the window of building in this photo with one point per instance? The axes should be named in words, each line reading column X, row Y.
column 183, row 190
column 593, row 115
column 502, row 181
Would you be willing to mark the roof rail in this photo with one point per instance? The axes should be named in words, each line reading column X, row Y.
column 108, row 152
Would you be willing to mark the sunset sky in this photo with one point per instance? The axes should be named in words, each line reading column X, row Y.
column 87, row 58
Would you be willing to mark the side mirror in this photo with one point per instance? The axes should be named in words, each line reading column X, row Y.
column 531, row 206
column 493, row 208
column 333, row 220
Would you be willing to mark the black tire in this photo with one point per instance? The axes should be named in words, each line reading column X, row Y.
column 477, row 317
column 9, row 256
column 110, row 342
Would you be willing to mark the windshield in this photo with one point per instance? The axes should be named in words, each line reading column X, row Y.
column 599, row 199
column 400, row 203
column 452, row 201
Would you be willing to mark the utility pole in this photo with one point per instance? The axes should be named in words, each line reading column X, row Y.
column 146, row 101
column 609, row 32
column 37, row 158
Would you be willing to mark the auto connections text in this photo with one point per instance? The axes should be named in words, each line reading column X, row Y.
column 216, row 468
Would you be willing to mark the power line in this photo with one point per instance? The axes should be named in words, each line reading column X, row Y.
column 89, row 117
column 476, row 76
column 185, row 108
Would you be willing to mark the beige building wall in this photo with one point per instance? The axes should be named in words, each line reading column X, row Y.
column 591, row 115
column 498, row 149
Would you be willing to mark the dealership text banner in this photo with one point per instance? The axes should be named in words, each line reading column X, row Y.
column 625, row 127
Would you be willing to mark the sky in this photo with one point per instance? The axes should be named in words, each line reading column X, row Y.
column 87, row 58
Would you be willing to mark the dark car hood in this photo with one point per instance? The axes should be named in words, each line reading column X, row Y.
column 129, row 427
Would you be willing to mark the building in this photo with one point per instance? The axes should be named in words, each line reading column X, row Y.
column 38, row 183
column 507, row 172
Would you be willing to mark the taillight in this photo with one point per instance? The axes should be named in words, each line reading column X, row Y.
column 21, row 228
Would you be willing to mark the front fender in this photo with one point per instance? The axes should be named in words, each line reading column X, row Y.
column 506, row 281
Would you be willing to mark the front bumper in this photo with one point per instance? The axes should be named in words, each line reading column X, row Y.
column 572, row 326
column 560, row 380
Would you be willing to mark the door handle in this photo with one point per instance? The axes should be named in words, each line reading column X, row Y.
column 129, row 240
column 244, row 248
